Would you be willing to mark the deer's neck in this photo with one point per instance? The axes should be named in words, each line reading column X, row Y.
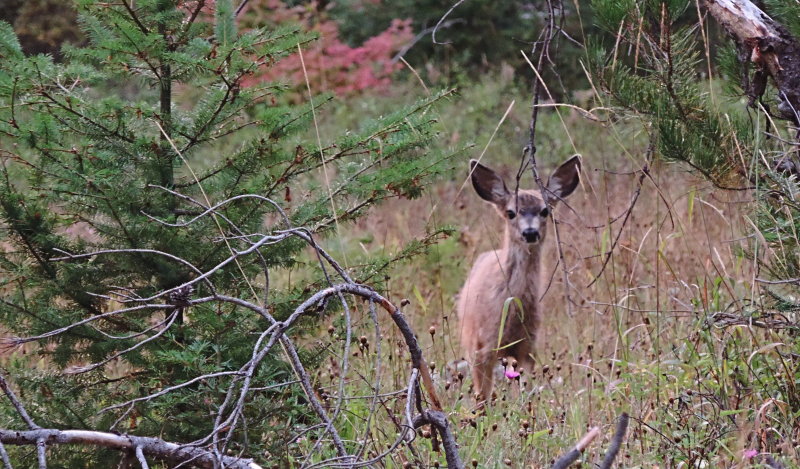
column 521, row 263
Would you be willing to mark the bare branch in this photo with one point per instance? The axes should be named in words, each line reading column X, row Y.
column 90, row 367
column 141, row 458
column 17, row 404
column 616, row 442
column 153, row 447
column 169, row 389
column 23, row 340
column 564, row 461
column 4, row 457
column 439, row 421
column 41, row 454
column 441, row 20
column 541, row 53
column 305, row 381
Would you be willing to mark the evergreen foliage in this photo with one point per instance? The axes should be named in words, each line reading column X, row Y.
column 92, row 147
column 652, row 72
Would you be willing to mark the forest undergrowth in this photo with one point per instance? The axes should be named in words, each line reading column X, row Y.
column 665, row 323
column 662, row 320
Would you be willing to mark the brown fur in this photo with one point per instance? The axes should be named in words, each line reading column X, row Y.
column 513, row 271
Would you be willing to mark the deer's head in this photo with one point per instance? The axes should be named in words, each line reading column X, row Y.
column 526, row 212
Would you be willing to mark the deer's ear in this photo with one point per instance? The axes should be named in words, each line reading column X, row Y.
column 564, row 179
column 488, row 184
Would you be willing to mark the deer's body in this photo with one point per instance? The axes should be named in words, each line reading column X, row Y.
column 509, row 275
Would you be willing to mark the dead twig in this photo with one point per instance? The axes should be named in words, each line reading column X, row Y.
column 564, row 461
column 441, row 22
column 17, row 404
column 616, row 442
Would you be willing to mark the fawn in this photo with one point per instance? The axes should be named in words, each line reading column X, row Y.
column 509, row 274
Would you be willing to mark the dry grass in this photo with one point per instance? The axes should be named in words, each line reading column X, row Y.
column 640, row 340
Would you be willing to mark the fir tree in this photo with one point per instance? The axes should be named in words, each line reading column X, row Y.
column 121, row 146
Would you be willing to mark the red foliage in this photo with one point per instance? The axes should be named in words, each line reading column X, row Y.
column 332, row 65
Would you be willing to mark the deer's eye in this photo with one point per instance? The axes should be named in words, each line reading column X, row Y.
column 544, row 213
column 511, row 214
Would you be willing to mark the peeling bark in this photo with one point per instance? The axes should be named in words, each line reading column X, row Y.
column 769, row 47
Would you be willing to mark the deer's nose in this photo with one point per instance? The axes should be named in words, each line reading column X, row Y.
column 531, row 235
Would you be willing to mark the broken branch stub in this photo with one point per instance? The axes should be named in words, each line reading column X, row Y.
column 769, row 46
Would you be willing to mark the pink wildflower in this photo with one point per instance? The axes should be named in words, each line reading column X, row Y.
column 749, row 453
column 511, row 374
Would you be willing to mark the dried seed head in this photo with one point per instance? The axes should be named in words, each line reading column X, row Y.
column 432, row 366
column 363, row 340
column 507, row 462
column 525, row 424
column 405, row 302
column 331, row 329
column 474, row 463
column 432, row 331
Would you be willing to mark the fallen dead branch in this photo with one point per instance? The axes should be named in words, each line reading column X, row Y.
column 616, row 442
column 763, row 320
column 564, row 461
column 154, row 448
